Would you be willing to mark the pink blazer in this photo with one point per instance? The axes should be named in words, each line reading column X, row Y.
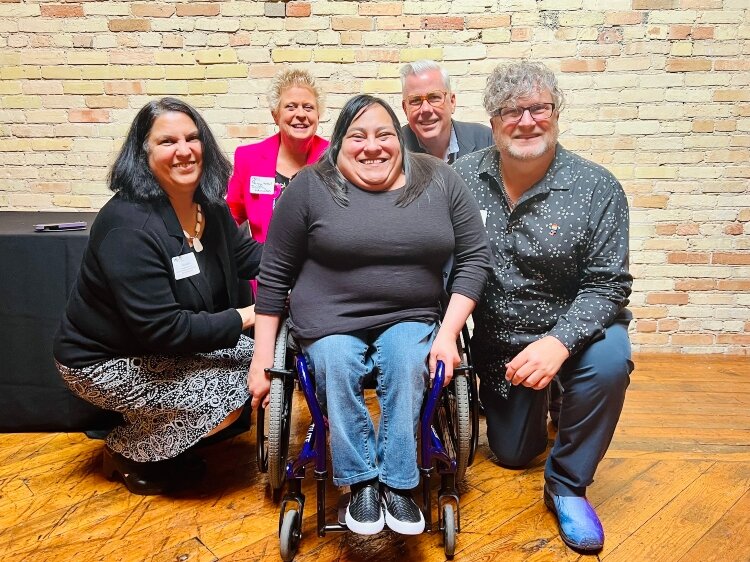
column 259, row 159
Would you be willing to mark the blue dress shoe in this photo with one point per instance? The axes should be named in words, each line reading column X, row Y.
column 580, row 528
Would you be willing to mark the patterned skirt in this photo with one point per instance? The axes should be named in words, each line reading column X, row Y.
column 169, row 402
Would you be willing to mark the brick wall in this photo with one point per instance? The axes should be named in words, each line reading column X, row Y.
column 657, row 92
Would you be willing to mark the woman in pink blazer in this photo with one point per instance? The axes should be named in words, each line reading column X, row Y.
column 263, row 170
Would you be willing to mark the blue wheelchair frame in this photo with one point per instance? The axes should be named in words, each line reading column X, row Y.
column 434, row 459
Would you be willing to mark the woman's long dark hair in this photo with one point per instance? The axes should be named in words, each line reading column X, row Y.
column 130, row 174
column 418, row 171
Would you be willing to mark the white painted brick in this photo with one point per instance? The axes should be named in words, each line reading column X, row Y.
column 106, row 9
column 736, row 17
column 470, row 52
column 242, row 9
column 468, row 37
column 172, row 24
column 84, row 25
column 471, row 6
column 530, row 19
column 713, row 49
column 334, row 7
column 697, row 350
column 705, row 216
column 637, row 128
column 426, row 7
column 607, row 80
column 19, row 10
column 228, row 25
column 660, row 80
column 607, row 5
column 656, row 17
column 592, row 128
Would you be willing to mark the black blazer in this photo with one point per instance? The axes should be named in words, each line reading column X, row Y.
column 471, row 137
column 126, row 301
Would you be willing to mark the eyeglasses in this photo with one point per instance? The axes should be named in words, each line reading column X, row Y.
column 435, row 99
column 538, row 112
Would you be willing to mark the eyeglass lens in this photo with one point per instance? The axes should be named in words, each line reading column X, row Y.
column 537, row 111
column 435, row 99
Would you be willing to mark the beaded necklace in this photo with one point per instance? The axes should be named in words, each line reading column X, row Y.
column 194, row 240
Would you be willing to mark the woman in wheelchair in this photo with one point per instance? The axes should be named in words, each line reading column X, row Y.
column 361, row 241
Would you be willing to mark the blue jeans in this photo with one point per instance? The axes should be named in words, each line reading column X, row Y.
column 397, row 356
column 594, row 383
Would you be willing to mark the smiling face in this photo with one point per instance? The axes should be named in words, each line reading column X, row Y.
column 175, row 153
column 370, row 155
column 428, row 122
column 527, row 139
column 297, row 114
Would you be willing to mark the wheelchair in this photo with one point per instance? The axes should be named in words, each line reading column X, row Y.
column 447, row 441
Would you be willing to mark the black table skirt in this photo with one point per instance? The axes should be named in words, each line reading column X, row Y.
column 38, row 271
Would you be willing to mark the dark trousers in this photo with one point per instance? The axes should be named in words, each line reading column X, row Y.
column 594, row 383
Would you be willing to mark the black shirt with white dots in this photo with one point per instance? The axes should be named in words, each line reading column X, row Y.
column 560, row 259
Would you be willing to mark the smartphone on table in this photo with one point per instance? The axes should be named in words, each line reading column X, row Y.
column 58, row 226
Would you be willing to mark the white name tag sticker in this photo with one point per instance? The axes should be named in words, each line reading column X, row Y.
column 185, row 266
column 261, row 186
column 483, row 213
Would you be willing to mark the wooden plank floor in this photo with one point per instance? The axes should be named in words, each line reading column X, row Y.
column 675, row 485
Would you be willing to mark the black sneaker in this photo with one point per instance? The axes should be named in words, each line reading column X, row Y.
column 402, row 514
column 364, row 514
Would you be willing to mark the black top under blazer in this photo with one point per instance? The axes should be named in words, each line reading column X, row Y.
column 126, row 301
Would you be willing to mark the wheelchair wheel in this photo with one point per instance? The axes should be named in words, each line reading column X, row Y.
column 280, row 415
column 454, row 423
column 449, row 531
column 462, row 422
column 465, row 351
column 290, row 535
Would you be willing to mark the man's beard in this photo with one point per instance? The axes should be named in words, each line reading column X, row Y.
column 549, row 140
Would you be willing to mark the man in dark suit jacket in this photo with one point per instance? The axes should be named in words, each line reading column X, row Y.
column 429, row 103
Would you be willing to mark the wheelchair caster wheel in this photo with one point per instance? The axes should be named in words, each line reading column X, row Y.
column 449, row 532
column 290, row 535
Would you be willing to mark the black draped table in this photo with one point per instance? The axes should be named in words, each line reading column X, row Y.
column 37, row 272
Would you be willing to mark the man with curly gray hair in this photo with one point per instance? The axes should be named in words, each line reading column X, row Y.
column 555, row 303
column 428, row 104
